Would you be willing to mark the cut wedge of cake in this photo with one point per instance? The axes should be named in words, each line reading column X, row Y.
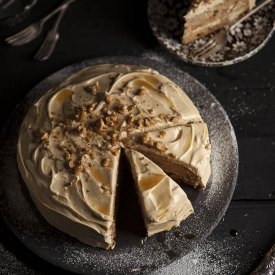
column 206, row 16
column 183, row 151
column 163, row 203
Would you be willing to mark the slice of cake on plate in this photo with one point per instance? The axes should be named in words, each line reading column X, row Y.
column 207, row 16
column 182, row 151
column 163, row 203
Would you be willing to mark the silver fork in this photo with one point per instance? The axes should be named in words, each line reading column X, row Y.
column 34, row 30
column 47, row 47
column 218, row 42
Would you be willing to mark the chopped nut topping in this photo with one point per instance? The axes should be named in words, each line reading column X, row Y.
column 150, row 111
column 130, row 119
column 43, row 135
column 79, row 168
column 95, row 87
column 108, row 99
column 145, row 138
column 113, row 117
column 101, row 125
column 123, row 109
column 80, row 115
column 161, row 147
column 109, row 122
column 92, row 154
column 114, row 150
column 139, row 122
column 147, row 122
column 174, row 119
column 162, row 133
column 106, row 162
column 162, row 116
column 141, row 91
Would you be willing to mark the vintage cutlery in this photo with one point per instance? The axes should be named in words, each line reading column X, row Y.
column 218, row 42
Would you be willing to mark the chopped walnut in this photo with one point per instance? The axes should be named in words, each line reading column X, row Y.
column 150, row 111
column 139, row 122
column 109, row 122
column 101, row 125
column 92, row 154
column 162, row 133
column 147, row 122
column 162, row 116
column 114, row 150
column 141, row 92
column 145, row 138
column 123, row 109
column 130, row 119
column 43, row 135
column 108, row 99
column 174, row 119
column 106, row 162
column 113, row 117
column 160, row 147
column 80, row 114
column 95, row 87
column 77, row 169
column 172, row 155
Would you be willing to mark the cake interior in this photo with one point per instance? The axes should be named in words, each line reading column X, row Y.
column 206, row 17
column 182, row 174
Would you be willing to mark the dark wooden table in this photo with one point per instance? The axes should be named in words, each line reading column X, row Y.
column 246, row 91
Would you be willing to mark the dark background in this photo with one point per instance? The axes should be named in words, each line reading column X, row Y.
column 246, row 91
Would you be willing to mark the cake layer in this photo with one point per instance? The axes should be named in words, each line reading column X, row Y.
column 206, row 17
column 183, row 151
column 164, row 204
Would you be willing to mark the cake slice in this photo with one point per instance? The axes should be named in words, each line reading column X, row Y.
column 206, row 16
column 163, row 203
column 182, row 151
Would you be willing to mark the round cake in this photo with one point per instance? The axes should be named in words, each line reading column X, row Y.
column 70, row 144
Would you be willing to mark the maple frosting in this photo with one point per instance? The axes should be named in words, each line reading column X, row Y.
column 186, row 145
column 70, row 141
column 164, row 204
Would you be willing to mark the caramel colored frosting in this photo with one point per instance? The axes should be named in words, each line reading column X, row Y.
column 186, row 145
column 164, row 204
column 70, row 141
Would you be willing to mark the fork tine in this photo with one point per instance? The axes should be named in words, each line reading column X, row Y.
column 22, row 39
column 25, row 39
column 18, row 35
column 207, row 51
column 205, row 46
column 41, row 52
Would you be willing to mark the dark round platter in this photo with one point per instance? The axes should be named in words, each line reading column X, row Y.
column 133, row 253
